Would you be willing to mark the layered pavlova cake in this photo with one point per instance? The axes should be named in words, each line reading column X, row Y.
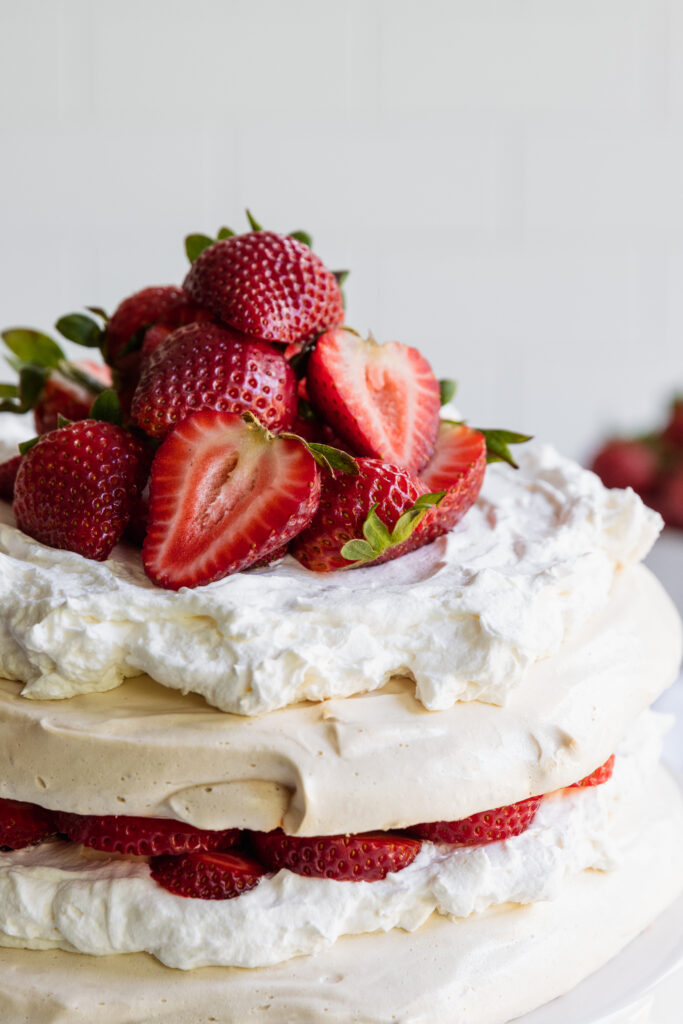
column 317, row 704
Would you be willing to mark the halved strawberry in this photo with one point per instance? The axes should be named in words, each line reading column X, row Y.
column 457, row 467
column 598, row 777
column 24, row 824
column 224, row 494
column 367, row 857
column 206, row 876
column 266, row 285
column 204, row 366
column 116, row 833
column 484, row 827
column 383, row 400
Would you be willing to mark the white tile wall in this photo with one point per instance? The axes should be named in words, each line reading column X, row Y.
column 503, row 177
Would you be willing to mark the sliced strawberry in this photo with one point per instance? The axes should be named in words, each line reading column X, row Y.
column 116, row 833
column 485, row 827
column 8, row 475
column 23, row 824
column 206, row 876
column 224, row 495
column 367, row 857
column 346, row 502
column 266, row 285
column 76, row 486
column 457, row 467
column 383, row 400
column 598, row 777
column 203, row 366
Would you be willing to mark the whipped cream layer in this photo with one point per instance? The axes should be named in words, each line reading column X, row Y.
column 55, row 895
column 325, row 768
column 488, row 968
column 464, row 617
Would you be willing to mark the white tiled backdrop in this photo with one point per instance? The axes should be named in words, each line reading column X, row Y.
column 503, row 177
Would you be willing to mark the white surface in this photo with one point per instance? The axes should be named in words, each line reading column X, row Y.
column 503, row 178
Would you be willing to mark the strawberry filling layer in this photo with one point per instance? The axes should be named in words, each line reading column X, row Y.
column 216, row 865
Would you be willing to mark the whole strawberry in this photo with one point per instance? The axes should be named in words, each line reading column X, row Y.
column 622, row 463
column 266, row 285
column 69, row 398
column 204, row 366
column 8, row 475
column 75, row 487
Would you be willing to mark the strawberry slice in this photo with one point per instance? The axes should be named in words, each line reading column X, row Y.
column 481, row 828
column 383, row 400
column 598, row 777
column 115, row 833
column 224, row 494
column 367, row 857
column 457, row 467
column 206, row 876
column 23, row 824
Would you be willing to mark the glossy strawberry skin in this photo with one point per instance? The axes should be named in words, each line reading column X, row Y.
column 203, row 366
column 8, row 475
column 142, row 836
column 367, row 857
column 24, row 824
column 482, row 828
column 165, row 304
column 224, row 496
column 75, row 486
column 207, row 876
column 627, row 464
column 266, row 285
column 62, row 397
column 383, row 400
column 345, row 502
column 598, row 777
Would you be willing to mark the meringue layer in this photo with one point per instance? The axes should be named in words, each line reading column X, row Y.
column 464, row 618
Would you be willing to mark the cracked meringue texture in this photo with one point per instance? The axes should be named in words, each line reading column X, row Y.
column 463, row 618
column 57, row 896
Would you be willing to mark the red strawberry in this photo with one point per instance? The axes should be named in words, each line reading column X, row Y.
column 626, row 464
column 596, row 778
column 8, row 474
column 367, row 857
column 673, row 431
column 116, row 833
column 266, row 285
column 165, row 304
column 61, row 396
column 457, row 467
column 345, row 504
column 485, row 827
column 383, row 400
column 75, row 487
column 203, row 366
column 224, row 495
column 154, row 336
column 668, row 498
column 206, row 876
column 137, row 524
column 23, row 824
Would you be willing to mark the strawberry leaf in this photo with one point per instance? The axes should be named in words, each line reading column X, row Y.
column 31, row 383
column 82, row 378
column 224, row 233
column 376, row 533
column 107, row 408
column 358, row 551
column 302, row 236
column 27, row 445
column 32, row 346
column 447, row 388
column 195, row 245
column 9, row 391
column 497, row 442
column 80, row 329
column 98, row 311
column 330, row 458
column 255, row 226
column 341, row 276
column 378, row 539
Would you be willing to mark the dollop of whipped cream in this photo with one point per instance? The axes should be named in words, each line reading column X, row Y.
column 57, row 896
column 463, row 617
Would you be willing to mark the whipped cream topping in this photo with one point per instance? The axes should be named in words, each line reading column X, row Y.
column 464, row 617
column 56, row 895
column 330, row 767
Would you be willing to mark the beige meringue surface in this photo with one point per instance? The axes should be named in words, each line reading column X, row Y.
column 379, row 760
column 486, row 969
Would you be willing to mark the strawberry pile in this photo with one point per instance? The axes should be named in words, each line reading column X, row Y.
column 651, row 464
column 235, row 419
column 222, row 864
